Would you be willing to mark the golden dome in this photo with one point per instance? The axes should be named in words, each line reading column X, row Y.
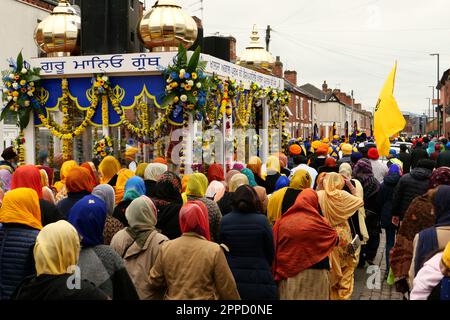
column 255, row 56
column 167, row 25
column 57, row 35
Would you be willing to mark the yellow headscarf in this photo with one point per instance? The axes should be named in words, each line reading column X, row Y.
column 122, row 178
column 140, row 170
column 255, row 165
column 57, row 248
column 44, row 178
column 130, row 153
column 184, row 182
column 197, row 185
column 337, row 205
column 21, row 206
column 273, row 164
column 236, row 181
column 108, row 168
column 65, row 169
column 301, row 180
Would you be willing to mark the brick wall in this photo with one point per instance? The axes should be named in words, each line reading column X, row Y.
column 291, row 76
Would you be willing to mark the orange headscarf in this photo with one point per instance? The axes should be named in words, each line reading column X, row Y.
column 184, row 182
column 95, row 180
column 302, row 237
column 108, row 168
column 78, row 179
column 65, row 168
column 160, row 160
column 122, row 178
column 255, row 165
column 337, row 205
column 21, row 206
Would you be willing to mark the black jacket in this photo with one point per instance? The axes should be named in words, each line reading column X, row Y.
column 410, row 186
column 49, row 287
column 250, row 240
column 405, row 158
column 443, row 159
column 168, row 220
column 225, row 203
column 49, row 212
column 385, row 196
column 66, row 204
column 418, row 154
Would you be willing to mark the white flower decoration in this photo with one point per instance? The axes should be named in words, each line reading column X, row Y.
column 183, row 98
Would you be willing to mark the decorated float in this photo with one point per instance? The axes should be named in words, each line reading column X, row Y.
column 191, row 108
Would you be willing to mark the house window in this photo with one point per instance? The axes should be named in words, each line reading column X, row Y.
column 301, row 109
column 310, row 110
column 297, row 108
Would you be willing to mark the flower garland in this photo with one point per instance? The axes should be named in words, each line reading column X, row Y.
column 20, row 86
column 20, row 147
column 187, row 87
column 103, row 147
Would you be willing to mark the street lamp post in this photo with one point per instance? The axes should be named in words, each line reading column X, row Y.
column 438, row 100
column 432, row 109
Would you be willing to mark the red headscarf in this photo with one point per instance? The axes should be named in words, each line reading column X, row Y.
column 302, row 237
column 92, row 172
column 330, row 162
column 194, row 218
column 78, row 179
column 215, row 172
column 27, row 177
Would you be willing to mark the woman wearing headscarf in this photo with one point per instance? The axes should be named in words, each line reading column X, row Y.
column 192, row 267
column 65, row 168
column 215, row 191
column 273, row 173
column 238, row 166
column 90, row 166
column 28, row 176
column 419, row 216
column 385, row 203
column 431, row 148
column 283, row 199
column 184, row 182
column 168, row 202
column 225, row 203
column 263, row 199
column 337, row 207
column 357, row 221
column 283, row 164
column 249, row 237
column 108, row 170
column 330, row 165
column 152, row 173
column 112, row 225
column 140, row 170
column 47, row 193
column 122, row 178
column 250, row 176
column 139, row 244
column 160, row 160
column 20, row 222
column 303, row 241
column 434, row 239
column 215, row 172
column 134, row 188
column 50, row 174
column 363, row 173
column 78, row 185
column 55, row 253
column 196, row 191
column 228, row 178
column 255, row 165
column 99, row 263
column 437, row 150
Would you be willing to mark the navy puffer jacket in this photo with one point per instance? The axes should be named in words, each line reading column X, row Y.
column 16, row 256
column 385, row 199
column 250, row 241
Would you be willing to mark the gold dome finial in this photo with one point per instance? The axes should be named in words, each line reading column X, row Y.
column 57, row 35
column 167, row 25
column 255, row 56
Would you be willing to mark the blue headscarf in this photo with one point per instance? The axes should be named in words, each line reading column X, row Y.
column 88, row 216
column 282, row 182
column 134, row 188
column 251, row 177
column 394, row 169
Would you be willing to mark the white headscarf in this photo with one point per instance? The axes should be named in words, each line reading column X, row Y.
column 107, row 194
column 154, row 171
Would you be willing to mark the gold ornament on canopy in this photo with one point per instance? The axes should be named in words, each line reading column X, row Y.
column 167, row 25
column 57, row 35
column 255, row 56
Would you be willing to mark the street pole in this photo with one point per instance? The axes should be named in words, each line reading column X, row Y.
column 429, row 111
column 438, row 100
column 432, row 104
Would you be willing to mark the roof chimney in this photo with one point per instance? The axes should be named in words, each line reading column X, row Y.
column 325, row 86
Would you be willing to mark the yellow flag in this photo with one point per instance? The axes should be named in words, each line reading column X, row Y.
column 388, row 119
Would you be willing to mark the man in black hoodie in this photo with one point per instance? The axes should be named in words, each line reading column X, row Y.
column 405, row 158
column 410, row 186
column 418, row 153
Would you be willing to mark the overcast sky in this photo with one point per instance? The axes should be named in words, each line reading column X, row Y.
column 353, row 44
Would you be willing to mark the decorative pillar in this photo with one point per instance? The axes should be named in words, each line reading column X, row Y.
column 30, row 140
column 265, row 132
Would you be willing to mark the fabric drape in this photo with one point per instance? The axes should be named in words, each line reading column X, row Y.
column 122, row 178
column 197, row 185
column 215, row 172
column 140, row 170
column 215, row 191
column 95, row 180
column 106, row 193
column 27, row 176
column 154, row 171
column 134, row 188
column 78, row 180
column 65, row 168
column 250, row 176
column 236, row 181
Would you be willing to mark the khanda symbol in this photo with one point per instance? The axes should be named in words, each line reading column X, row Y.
column 378, row 105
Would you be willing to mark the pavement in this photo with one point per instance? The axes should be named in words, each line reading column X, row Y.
column 370, row 282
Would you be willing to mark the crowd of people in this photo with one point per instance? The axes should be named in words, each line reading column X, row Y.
column 295, row 226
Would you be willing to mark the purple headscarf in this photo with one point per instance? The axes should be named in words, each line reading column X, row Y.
column 5, row 178
column 394, row 169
